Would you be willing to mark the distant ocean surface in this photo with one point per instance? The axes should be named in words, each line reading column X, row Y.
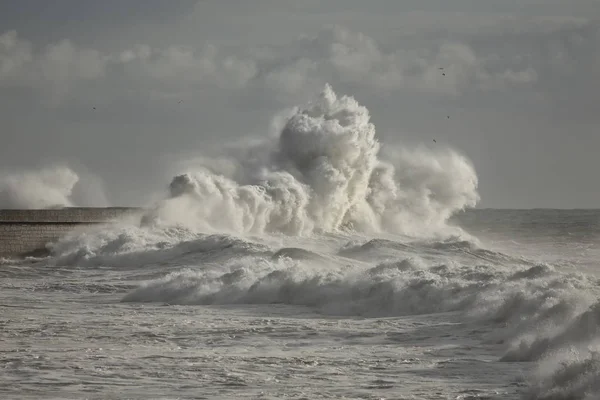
column 313, row 265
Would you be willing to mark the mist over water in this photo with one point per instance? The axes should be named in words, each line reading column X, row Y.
column 45, row 188
column 321, row 217
column 54, row 186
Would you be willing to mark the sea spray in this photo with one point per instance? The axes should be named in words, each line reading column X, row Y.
column 51, row 186
column 324, row 178
column 322, row 173
column 44, row 188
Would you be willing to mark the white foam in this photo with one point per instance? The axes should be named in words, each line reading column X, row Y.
column 43, row 188
column 537, row 313
column 54, row 186
column 322, row 173
column 323, row 178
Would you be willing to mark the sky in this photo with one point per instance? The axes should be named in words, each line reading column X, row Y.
column 120, row 92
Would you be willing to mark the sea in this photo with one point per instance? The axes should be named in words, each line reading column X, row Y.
column 312, row 265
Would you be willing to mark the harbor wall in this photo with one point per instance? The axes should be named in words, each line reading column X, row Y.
column 28, row 232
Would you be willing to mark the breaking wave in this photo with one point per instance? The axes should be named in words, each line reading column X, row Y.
column 45, row 188
column 50, row 187
column 320, row 217
column 532, row 311
column 323, row 173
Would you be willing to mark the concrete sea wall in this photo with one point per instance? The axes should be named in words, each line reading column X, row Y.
column 28, row 232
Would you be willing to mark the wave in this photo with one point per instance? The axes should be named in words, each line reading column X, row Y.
column 392, row 288
column 536, row 313
column 126, row 246
column 318, row 216
column 567, row 352
column 324, row 172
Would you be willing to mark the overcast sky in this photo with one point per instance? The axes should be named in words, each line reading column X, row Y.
column 172, row 78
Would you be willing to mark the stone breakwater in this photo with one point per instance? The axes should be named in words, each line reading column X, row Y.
column 28, row 232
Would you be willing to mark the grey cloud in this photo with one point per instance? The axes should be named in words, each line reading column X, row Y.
column 566, row 61
column 54, row 69
column 14, row 53
column 546, row 61
column 334, row 54
column 338, row 55
column 62, row 61
column 57, row 67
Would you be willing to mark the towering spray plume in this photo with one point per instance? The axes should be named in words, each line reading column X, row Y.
column 322, row 174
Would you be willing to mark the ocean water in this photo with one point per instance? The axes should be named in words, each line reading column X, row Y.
column 311, row 265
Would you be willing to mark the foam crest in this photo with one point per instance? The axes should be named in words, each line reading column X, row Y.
column 333, row 288
column 536, row 312
column 392, row 288
column 321, row 173
column 125, row 245
column 533, row 311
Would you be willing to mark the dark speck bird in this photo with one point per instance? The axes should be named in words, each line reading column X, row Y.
column 434, row 141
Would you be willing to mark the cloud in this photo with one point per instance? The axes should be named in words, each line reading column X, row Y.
column 188, row 64
column 550, row 60
column 564, row 59
column 54, row 69
column 58, row 62
column 14, row 53
column 58, row 67
column 339, row 55
column 332, row 54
